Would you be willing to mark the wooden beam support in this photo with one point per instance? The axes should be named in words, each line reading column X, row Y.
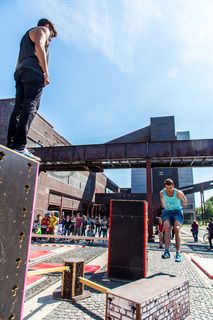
column 46, row 271
column 50, row 236
column 94, row 285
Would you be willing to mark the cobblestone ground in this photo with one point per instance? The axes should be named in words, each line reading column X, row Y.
column 201, row 287
column 91, row 308
column 87, row 252
column 201, row 290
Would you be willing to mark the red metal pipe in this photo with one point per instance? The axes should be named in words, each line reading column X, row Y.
column 149, row 198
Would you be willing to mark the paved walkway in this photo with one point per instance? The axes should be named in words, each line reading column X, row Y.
column 201, row 287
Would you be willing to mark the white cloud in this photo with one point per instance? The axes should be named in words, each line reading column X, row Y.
column 112, row 27
column 194, row 28
column 118, row 28
column 173, row 72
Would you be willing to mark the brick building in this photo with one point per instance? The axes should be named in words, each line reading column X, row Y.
column 60, row 191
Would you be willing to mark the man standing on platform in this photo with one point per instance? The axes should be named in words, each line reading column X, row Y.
column 31, row 75
column 171, row 202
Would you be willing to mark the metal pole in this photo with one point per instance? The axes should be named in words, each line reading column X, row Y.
column 202, row 204
column 149, row 198
column 60, row 209
column 204, row 207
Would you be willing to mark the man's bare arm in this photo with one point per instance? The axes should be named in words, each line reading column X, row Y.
column 161, row 199
column 182, row 196
column 40, row 36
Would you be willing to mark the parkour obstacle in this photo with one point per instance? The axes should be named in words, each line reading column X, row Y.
column 162, row 295
column 18, row 180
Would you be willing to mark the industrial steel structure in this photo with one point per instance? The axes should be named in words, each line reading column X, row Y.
column 96, row 158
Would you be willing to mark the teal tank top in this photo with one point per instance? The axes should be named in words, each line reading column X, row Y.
column 171, row 203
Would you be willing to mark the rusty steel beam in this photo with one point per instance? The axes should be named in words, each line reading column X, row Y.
column 95, row 157
column 92, row 168
column 203, row 161
column 198, row 187
column 192, row 162
column 181, row 161
column 123, row 151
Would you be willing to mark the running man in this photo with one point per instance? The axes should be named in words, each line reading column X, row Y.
column 31, row 75
column 171, row 202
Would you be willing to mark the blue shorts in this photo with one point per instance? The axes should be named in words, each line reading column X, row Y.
column 172, row 215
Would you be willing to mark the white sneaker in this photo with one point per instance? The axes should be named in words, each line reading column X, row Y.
column 28, row 154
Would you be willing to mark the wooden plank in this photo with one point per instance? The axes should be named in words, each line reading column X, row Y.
column 73, row 279
column 94, row 285
column 68, row 237
column 45, row 271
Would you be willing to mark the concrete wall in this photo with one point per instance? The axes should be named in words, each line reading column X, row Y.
column 78, row 188
column 163, row 128
column 41, row 132
column 138, row 180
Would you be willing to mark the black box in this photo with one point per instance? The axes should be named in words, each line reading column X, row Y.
column 127, row 240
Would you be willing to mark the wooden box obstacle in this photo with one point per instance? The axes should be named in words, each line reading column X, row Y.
column 157, row 297
column 18, row 179
column 73, row 282
column 72, row 288
column 127, row 258
column 71, row 285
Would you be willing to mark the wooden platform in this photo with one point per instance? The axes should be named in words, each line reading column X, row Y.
column 160, row 296
column 18, row 180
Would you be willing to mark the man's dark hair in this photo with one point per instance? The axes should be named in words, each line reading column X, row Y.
column 42, row 22
column 168, row 182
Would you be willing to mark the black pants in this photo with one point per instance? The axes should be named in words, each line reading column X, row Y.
column 29, row 85
column 210, row 240
column 195, row 235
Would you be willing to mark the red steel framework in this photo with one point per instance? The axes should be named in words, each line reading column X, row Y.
column 96, row 158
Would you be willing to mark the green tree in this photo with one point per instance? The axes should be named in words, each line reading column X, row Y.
column 209, row 207
column 208, row 210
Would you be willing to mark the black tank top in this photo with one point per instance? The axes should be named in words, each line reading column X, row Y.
column 27, row 56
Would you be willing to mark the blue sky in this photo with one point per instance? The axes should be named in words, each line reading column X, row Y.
column 116, row 63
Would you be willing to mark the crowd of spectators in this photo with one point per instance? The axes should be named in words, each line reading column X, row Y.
column 159, row 230
column 76, row 224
